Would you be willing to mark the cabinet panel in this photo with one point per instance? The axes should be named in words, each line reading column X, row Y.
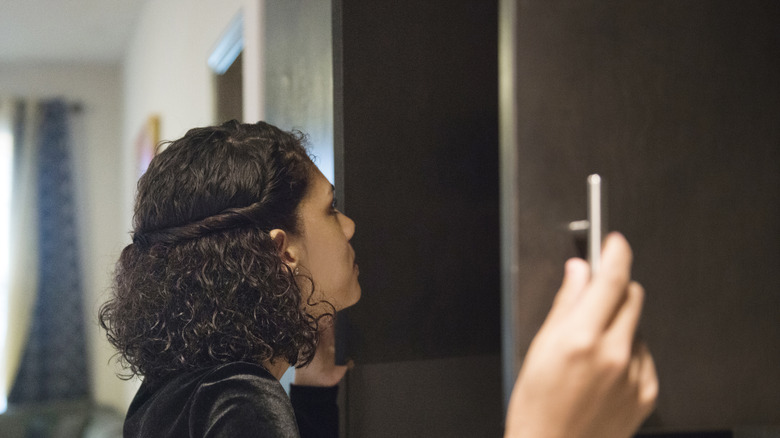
column 417, row 145
column 677, row 104
column 416, row 128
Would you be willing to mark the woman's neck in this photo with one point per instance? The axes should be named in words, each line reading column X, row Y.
column 276, row 368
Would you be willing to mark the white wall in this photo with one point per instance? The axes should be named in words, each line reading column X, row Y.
column 166, row 74
column 165, row 67
column 97, row 142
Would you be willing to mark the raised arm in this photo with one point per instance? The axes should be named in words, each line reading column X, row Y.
column 585, row 374
column 313, row 394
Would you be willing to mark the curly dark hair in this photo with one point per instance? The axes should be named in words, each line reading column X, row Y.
column 203, row 283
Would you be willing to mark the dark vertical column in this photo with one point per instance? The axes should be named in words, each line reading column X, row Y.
column 420, row 154
column 229, row 92
column 417, row 138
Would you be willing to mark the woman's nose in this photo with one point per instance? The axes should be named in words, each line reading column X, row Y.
column 347, row 225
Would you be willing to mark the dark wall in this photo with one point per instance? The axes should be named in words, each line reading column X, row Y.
column 677, row 104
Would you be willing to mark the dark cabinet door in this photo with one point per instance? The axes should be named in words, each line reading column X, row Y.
column 417, row 169
column 418, row 153
column 677, row 104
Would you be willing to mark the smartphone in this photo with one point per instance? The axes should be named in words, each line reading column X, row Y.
column 597, row 220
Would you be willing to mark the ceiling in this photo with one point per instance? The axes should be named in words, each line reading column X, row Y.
column 66, row 30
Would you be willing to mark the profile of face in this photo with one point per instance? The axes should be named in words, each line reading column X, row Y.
column 322, row 249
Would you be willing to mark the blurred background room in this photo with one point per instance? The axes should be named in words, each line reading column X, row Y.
column 458, row 134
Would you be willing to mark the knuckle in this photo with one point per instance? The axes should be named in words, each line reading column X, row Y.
column 649, row 394
column 619, row 279
column 583, row 343
column 638, row 290
column 616, row 362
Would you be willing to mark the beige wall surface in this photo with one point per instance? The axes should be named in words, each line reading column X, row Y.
column 165, row 74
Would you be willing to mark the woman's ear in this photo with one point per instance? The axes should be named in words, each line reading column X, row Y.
column 288, row 251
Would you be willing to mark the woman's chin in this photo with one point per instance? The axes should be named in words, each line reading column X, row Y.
column 354, row 298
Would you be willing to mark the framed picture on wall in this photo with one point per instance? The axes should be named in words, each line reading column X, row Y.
column 146, row 143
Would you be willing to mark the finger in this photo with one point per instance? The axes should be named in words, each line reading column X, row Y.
column 647, row 379
column 575, row 279
column 622, row 329
column 608, row 288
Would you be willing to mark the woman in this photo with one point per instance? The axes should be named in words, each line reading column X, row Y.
column 239, row 261
column 215, row 298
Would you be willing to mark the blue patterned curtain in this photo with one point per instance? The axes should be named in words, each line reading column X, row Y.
column 54, row 365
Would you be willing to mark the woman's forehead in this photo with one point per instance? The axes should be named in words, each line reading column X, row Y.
column 320, row 187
